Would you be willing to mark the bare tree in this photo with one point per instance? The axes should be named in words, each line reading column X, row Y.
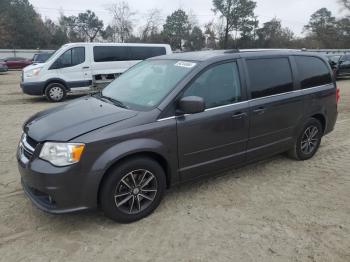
column 153, row 22
column 346, row 3
column 122, row 19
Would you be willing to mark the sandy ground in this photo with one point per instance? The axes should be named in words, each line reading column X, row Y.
column 276, row 210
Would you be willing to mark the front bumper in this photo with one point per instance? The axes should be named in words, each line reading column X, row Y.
column 53, row 189
column 33, row 88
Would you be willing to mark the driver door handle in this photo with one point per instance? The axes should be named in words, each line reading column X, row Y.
column 86, row 67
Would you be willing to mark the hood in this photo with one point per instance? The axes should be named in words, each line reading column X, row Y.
column 73, row 119
column 33, row 66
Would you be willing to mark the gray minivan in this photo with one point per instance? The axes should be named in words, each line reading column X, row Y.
column 172, row 119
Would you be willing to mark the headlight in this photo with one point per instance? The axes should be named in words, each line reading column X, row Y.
column 33, row 72
column 62, row 154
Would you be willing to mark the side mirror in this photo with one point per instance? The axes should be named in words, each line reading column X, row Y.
column 191, row 105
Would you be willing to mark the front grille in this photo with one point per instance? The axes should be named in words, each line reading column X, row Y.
column 27, row 146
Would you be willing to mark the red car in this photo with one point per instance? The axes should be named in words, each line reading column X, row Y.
column 17, row 62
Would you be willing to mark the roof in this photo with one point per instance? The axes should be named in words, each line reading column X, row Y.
column 217, row 54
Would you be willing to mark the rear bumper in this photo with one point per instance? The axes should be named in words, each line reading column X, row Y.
column 33, row 88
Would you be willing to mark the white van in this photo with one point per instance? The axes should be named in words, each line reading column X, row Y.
column 84, row 66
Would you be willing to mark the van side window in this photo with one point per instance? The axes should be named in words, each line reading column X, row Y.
column 126, row 53
column 269, row 76
column 144, row 52
column 218, row 86
column 312, row 71
column 71, row 57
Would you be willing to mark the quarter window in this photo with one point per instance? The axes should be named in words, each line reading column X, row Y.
column 269, row 76
column 312, row 72
column 219, row 85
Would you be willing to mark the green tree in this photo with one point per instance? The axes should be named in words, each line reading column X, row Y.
column 67, row 26
column 343, row 33
column 20, row 25
column 176, row 29
column 273, row 35
column 236, row 14
column 196, row 39
column 57, row 36
column 322, row 27
column 249, row 34
column 87, row 25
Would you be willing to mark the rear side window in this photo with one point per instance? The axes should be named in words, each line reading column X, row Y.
column 110, row 53
column 269, row 76
column 142, row 53
column 312, row 72
column 126, row 53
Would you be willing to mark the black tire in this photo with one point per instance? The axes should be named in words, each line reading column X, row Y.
column 55, row 92
column 305, row 148
column 138, row 204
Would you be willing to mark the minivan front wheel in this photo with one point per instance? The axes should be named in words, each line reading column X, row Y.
column 308, row 141
column 132, row 190
column 55, row 92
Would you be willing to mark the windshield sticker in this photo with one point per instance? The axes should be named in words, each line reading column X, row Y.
column 185, row 64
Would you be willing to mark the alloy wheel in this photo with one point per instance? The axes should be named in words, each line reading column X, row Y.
column 135, row 191
column 310, row 140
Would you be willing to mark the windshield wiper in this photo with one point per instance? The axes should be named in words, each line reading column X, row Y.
column 113, row 101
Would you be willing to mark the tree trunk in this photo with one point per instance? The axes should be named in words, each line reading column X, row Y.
column 226, row 36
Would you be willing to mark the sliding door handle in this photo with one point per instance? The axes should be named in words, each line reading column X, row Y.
column 239, row 115
column 259, row 111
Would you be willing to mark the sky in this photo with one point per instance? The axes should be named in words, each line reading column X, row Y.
column 293, row 13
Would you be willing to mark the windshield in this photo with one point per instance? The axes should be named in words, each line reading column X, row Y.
column 146, row 84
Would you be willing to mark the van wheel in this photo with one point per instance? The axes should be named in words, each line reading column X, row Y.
column 308, row 141
column 55, row 92
column 132, row 190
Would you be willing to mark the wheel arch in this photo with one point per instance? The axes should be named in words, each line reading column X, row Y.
column 157, row 157
column 322, row 118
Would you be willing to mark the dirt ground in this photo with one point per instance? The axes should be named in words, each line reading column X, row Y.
column 276, row 210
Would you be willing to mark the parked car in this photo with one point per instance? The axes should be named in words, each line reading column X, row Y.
column 333, row 60
column 3, row 66
column 83, row 66
column 41, row 57
column 173, row 119
column 17, row 62
column 343, row 67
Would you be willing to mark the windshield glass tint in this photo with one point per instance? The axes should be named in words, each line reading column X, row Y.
column 147, row 83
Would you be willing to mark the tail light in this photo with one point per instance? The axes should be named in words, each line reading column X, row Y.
column 337, row 95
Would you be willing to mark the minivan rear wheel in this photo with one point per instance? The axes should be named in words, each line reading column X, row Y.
column 55, row 92
column 132, row 190
column 308, row 141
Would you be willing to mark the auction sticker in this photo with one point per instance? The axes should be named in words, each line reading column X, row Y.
column 185, row 64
